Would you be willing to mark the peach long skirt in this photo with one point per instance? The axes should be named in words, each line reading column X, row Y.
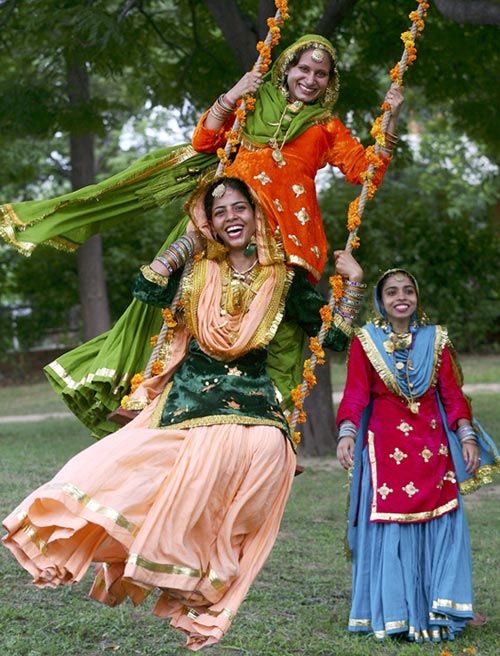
column 191, row 514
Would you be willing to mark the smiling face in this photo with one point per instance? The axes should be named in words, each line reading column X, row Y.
column 399, row 299
column 308, row 79
column 233, row 219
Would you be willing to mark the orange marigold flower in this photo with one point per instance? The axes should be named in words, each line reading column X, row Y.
column 385, row 106
column 296, row 437
column 355, row 242
column 372, row 158
column 157, row 367
column 296, row 395
column 249, row 103
column 395, row 74
column 137, row 379
column 310, row 378
column 326, row 315
column 153, row 340
column 353, row 215
column 222, row 155
column 124, row 401
column 168, row 318
column 241, row 116
column 470, row 651
column 302, row 417
column 337, row 285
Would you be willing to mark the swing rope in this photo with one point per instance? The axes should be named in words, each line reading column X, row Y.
column 355, row 213
column 248, row 102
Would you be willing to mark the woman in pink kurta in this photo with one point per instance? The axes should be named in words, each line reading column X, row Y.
column 406, row 430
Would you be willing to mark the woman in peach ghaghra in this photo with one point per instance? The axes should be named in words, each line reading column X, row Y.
column 186, row 499
column 407, row 431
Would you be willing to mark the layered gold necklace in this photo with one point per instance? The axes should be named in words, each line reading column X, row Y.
column 239, row 287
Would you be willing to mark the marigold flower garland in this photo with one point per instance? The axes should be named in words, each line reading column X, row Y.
column 262, row 65
column 354, row 216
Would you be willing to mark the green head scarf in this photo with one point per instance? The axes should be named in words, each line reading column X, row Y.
column 273, row 116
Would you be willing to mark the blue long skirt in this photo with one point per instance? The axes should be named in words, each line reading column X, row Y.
column 411, row 579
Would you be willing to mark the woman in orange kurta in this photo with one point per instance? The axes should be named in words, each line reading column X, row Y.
column 288, row 137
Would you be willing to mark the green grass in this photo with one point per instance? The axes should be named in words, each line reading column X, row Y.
column 476, row 369
column 298, row 605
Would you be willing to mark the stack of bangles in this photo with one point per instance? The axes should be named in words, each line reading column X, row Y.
column 350, row 302
column 391, row 141
column 347, row 429
column 177, row 254
column 466, row 433
column 221, row 109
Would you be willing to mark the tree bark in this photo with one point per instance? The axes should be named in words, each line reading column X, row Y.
column 332, row 16
column 238, row 30
column 476, row 12
column 91, row 276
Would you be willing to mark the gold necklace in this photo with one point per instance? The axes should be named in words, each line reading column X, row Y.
column 290, row 108
column 238, row 288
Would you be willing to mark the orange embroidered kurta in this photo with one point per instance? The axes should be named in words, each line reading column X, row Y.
column 288, row 192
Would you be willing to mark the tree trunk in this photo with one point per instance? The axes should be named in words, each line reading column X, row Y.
column 476, row 12
column 91, row 276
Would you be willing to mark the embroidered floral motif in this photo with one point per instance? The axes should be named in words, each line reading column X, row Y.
column 298, row 190
column 302, row 216
column 405, row 428
column 180, row 411
column 410, row 489
column 433, row 423
column 233, row 404
column 400, row 365
column 426, row 454
column 398, row 455
column 450, row 476
column 443, row 450
column 295, row 240
column 263, row 178
column 278, row 205
column 384, row 490
column 316, row 251
column 233, row 371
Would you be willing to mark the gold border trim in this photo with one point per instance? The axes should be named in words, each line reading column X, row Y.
column 153, row 276
column 219, row 420
column 89, row 502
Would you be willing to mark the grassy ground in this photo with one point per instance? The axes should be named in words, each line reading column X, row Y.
column 476, row 369
column 297, row 607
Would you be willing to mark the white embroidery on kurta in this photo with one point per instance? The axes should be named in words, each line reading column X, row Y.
column 233, row 371
column 302, row 216
column 298, row 190
column 405, row 428
column 384, row 490
column 410, row 489
column 398, row 455
column 316, row 251
column 295, row 240
column 433, row 423
column 443, row 450
column 263, row 178
column 450, row 476
column 278, row 205
column 426, row 454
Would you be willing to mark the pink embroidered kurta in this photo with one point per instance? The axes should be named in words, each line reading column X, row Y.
column 412, row 473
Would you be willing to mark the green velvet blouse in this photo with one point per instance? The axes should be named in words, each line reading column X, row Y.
column 205, row 391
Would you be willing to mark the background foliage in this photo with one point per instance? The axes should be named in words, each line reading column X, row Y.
column 438, row 209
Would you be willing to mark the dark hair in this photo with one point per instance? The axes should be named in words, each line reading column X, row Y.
column 232, row 183
column 298, row 54
column 393, row 272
